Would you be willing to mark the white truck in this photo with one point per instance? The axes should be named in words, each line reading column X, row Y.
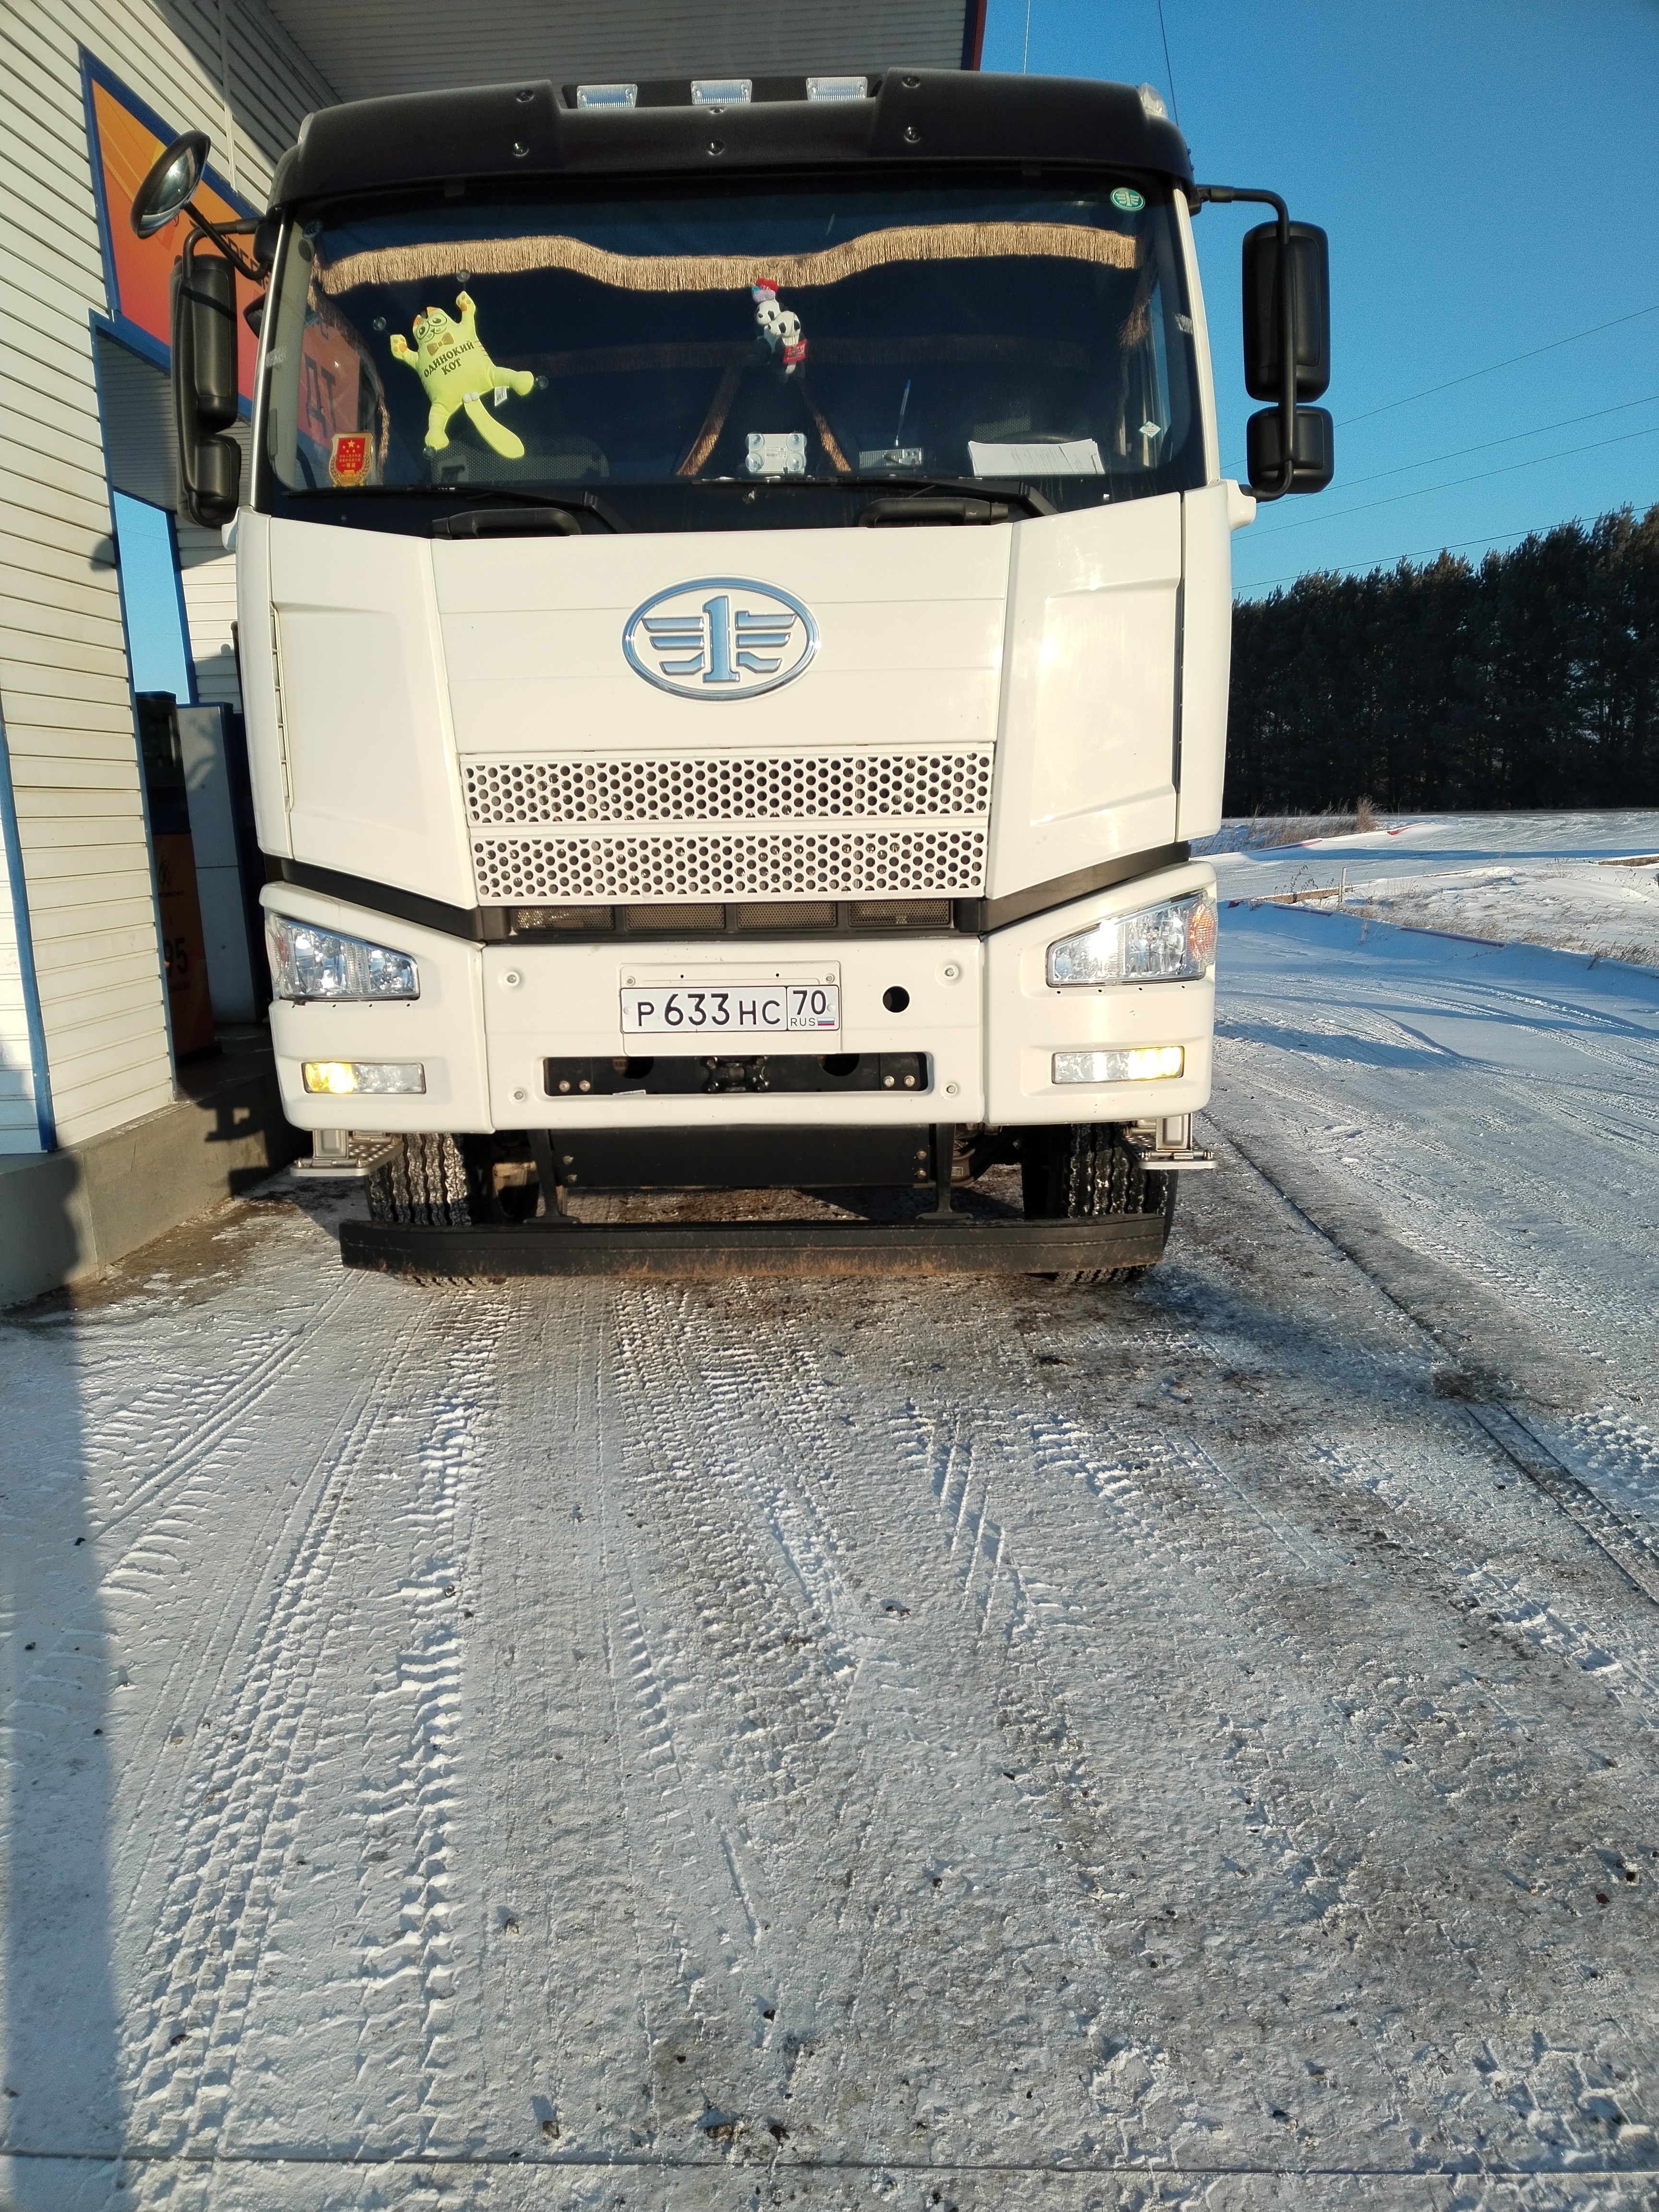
column 734, row 611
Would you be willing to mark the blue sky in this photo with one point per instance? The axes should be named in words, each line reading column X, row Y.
column 149, row 595
column 1488, row 171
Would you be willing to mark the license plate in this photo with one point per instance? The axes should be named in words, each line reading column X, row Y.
column 731, row 1010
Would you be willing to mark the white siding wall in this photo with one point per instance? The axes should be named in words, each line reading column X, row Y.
column 65, row 689
column 19, row 1122
column 210, row 579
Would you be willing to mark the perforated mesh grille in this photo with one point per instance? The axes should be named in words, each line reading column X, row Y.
column 806, row 864
column 742, row 787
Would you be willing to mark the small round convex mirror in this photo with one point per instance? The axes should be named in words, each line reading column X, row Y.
column 170, row 184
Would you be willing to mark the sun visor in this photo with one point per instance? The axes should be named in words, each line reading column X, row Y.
column 958, row 114
column 424, row 138
column 490, row 132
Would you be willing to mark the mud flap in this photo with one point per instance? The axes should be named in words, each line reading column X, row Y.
column 931, row 1244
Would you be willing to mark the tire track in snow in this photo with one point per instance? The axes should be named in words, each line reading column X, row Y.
column 721, row 1488
column 1420, row 1185
column 1412, row 1716
column 181, row 1433
column 717, row 1713
column 863, row 1803
column 212, row 1922
column 415, row 1977
column 1623, row 1544
column 193, row 1514
column 1184, row 1517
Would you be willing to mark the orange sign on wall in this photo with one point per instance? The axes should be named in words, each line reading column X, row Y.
column 124, row 138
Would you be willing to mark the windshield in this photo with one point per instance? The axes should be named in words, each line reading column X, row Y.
column 665, row 350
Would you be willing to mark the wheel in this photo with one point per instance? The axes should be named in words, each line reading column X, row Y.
column 426, row 1183
column 1080, row 1171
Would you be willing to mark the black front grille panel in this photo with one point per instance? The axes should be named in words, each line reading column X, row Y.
column 745, row 918
column 711, row 1075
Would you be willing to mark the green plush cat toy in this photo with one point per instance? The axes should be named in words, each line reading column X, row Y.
column 457, row 372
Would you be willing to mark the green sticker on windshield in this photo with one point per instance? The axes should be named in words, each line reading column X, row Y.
column 1128, row 199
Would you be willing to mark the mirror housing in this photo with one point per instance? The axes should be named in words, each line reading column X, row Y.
column 1310, row 311
column 170, row 185
column 1313, row 450
column 1287, row 345
column 204, row 386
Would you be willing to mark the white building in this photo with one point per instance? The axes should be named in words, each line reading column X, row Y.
column 101, row 1147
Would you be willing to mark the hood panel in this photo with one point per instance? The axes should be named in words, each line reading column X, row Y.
column 910, row 640
column 1085, row 754
column 461, row 720
column 363, row 712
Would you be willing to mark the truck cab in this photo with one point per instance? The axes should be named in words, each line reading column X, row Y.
column 734, row 609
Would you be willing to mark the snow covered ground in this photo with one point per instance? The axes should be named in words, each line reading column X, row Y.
column 918, row 1745
column 1583, row 883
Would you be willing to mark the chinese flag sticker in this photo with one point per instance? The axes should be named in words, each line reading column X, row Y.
column 348, row 463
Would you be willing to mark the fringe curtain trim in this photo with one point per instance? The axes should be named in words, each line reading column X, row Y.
column 728, row 272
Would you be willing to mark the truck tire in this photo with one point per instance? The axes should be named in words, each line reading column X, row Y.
column 1080, row 1171
column 425, row 1183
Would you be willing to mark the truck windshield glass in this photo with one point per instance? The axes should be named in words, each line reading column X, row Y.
column 674, row 349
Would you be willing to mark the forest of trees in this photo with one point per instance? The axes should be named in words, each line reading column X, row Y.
column 1530, row 680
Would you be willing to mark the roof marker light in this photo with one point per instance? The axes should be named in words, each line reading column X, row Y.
column 837, row 87
column 1151, row 103
column 721, row 91
column 606, row 95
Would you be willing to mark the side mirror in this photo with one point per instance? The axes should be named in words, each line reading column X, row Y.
column 1313, row 450
column 171, row 183
column 1310, row 310
column 1306, row 270
column 204, row 380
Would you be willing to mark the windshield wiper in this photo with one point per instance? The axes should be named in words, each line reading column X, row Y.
column 523, row 511
column 935, row 507
column 528, row 514
column 900, row 488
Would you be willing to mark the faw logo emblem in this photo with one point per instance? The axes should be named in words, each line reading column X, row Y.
column 721, row 637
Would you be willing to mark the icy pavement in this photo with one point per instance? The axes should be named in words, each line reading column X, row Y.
column 922, row 1744
column 1582, row 883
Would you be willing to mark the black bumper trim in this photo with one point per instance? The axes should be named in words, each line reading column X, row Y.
column 1019, row 906
column 473, row 922
column 493, row 925
column 957, row 1245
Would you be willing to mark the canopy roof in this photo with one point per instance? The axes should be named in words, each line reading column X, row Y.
column 366, row 49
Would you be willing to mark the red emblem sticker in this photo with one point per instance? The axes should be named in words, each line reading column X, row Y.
column 348, row 460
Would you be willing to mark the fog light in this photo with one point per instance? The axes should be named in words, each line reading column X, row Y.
column 1143, row 1063
column 368, row 1078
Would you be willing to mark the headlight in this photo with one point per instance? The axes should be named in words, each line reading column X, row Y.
column 308, row 963
column 1173, row 943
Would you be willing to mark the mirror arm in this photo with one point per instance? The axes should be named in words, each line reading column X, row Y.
column 222, row 235
column 1221, row 194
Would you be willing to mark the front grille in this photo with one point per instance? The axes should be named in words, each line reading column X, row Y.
column 734, row 787
column 777, row 863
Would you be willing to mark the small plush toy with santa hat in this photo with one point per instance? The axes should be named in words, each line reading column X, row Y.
column 779, row 326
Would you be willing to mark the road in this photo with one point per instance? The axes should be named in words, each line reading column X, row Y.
column 921, row 1745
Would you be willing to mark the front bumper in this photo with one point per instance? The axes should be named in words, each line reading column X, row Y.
column 979, row 1011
